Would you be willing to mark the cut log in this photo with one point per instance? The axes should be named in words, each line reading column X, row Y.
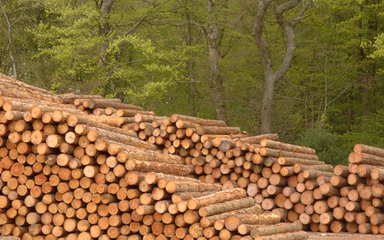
column 228, row 206
column 276, row 229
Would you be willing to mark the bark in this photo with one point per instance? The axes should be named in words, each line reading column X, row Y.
column 178, row 119
column 216, row 78
column 9, row 32
column 104, row 27
column 361, row 148
column 271, row 76
column 276, row 229
column 286, row 147
column 213, row 198
column 190, row 63
column 228, row 206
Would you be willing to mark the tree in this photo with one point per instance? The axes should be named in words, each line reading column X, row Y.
column 93, row 53
column 9, row 35
column 271, row 76
column 215, row 75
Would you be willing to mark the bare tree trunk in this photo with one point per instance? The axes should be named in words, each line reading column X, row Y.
column 105, row 8
column 11, row 57
column 216, row 79
column 272, row 76
column 266, row 111
column 191, row 75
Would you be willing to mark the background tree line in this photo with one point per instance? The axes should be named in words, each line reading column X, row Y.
column 204, row 58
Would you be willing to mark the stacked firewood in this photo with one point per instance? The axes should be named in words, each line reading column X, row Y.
column 66, row 174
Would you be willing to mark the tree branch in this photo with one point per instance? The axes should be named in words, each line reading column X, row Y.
column 289, row 33
column 285, row 6
column 301, row 13
column 135, row 25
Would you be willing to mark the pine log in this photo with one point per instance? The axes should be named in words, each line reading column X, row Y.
column 281, row 153
column 286, row 147
column 227, row 206
column 210, row 220
column 219, row 197
column 287, row 161
column 276, row 229
column 145, row 166
column 208, row 122
column 361, row 148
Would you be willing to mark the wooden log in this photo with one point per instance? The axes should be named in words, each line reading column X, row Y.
column 219, row 197
column 104, row 103
column 361, row 148
column 286, row 147
column 228, row 206
column 288, row 161
column 258, row 138
column 377, row 174
column 210, row 220
column 180, row 186
column 201, row 130
column 297, row 168
column 364, row 158
column 281, row 153
column 208, row 122
column 133, row 153
column 276, row 229
column 145, row 166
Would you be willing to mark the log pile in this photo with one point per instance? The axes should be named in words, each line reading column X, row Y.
column 287, row 179
column 361, row 194
column 276, row 175
column 67, row 172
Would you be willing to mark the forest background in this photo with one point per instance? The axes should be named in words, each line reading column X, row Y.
column 202, row 58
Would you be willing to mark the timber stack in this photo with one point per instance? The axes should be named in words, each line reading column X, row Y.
column 360, row 200
column 281, row 177
column 71, row 168
column 286, row 179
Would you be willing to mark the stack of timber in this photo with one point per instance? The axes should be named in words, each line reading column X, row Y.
column 362, row 190
column 276, row 174
column 66, row 173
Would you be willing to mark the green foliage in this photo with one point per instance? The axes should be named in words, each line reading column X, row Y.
column 117, row 65
column 329, row 146
column 370, row 130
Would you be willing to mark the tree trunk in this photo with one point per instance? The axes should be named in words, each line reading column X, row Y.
column 191, row 76
column 11, row 57
column 104, row 27
column 266, row 110
column 271, row 76
column 216, row 79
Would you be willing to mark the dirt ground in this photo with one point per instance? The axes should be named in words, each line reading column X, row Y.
column 343, row 236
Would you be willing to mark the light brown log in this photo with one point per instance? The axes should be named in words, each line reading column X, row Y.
column 175, row 117
column 276, row 229
column 218, row 197
column 364, row 158
column 145, row 166
column 288, row 161
column 228, row 206
column 285, row 146
column 184, row 186
column 361, row 148
column 210, row 220
column 281, row 153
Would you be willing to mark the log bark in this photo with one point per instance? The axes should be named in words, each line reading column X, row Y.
column 276, row 229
